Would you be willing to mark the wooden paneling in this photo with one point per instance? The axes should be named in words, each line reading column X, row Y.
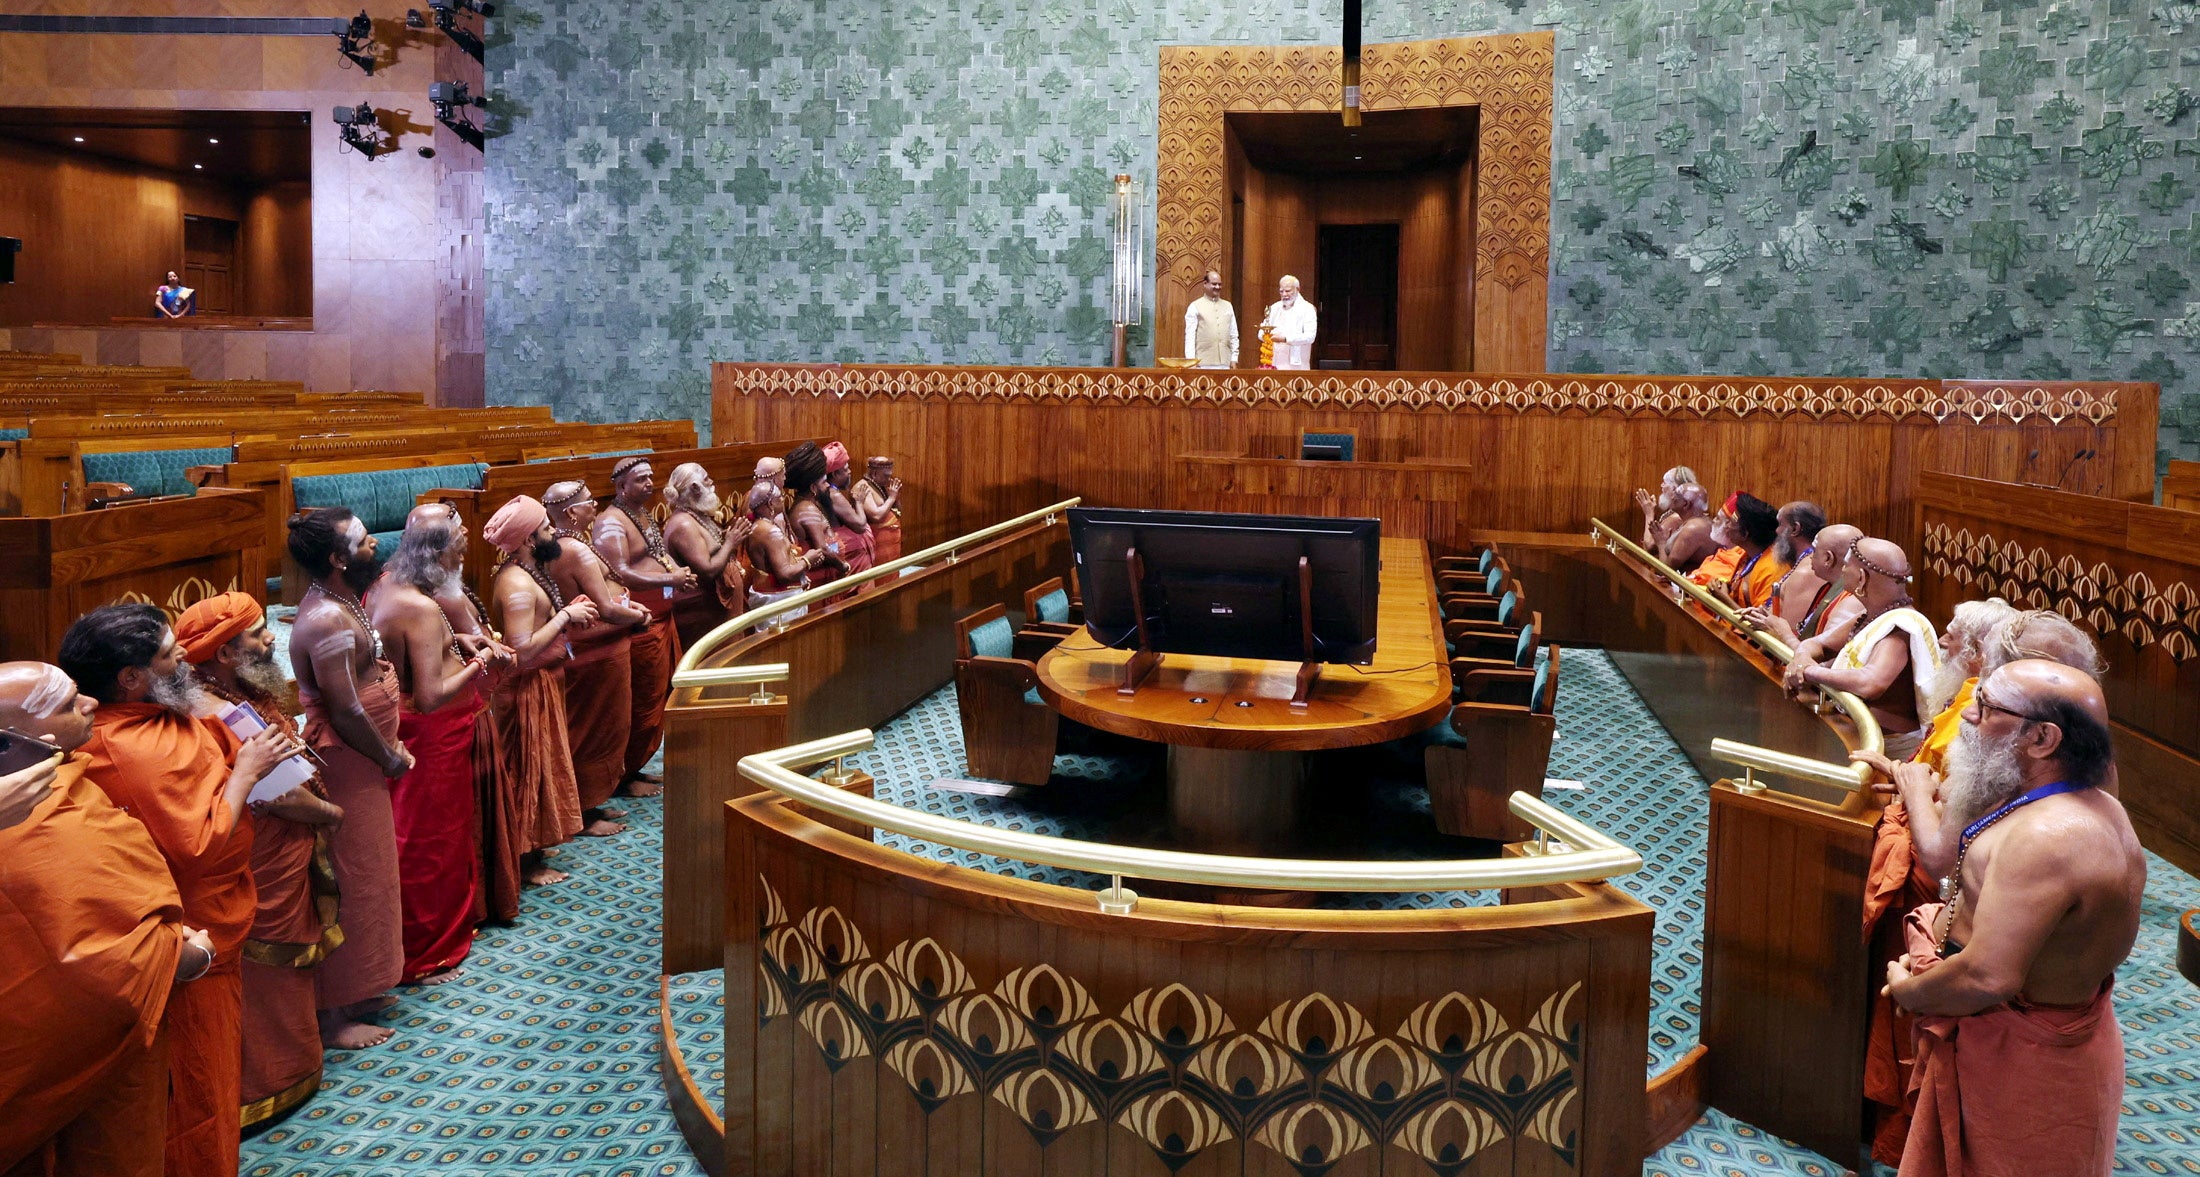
column 1508, row 77
column 1786, row 974
column 1546, row 453
column 1415, row 500
column 396, row 240
column 2181, row 486
column 278, row 251
column 2127, row 573
column 853, row 664
column 54, row 569
column 892, row 1015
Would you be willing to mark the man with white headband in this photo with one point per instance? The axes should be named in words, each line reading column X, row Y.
column 94, row 937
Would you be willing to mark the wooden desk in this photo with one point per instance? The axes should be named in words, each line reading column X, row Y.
column 1237, row 769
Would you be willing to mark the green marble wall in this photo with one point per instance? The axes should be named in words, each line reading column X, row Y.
column 1967, row 188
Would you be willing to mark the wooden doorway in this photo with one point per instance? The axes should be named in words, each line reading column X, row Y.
column 210, row 263
column 1357, row 267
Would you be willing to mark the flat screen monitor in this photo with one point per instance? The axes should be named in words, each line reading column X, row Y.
column 1320, row 451
column 1228, row 585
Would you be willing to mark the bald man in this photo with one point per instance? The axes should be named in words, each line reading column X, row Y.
column 91, row 928
column 1887, row 657
column 599, row 680
column 633, row 547
column 1813, row 599
column 2020, row 1064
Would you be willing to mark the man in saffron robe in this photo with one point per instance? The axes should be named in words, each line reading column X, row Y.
column 1888, row 657
column 1757, row 531
column 878, row 496
column 699, row 536
column 599, row 681
column 1900, row 880
column 155, row 758
column 542, row 801
column 349, row 694
column 634, row 549
column 1812, row 598
column 92, row 930
column 226, row 640
column 435, row 805
column 2020, row 1062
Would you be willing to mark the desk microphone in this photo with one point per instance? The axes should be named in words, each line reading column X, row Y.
column 2080, row 456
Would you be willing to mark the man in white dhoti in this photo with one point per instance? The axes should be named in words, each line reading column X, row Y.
column 1889, row 656
column 1290, row 320
column 1210, row 327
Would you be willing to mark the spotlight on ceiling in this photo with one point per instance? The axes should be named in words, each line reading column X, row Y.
column 216, row 141
column 445, row 15
column 79, row 138
column 355, row 41
column 450, row 99
column 198, row 167
column 361, row 130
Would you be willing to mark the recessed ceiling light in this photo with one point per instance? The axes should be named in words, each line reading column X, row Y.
column 213, row 140
column 199, row 166
column 80, row 138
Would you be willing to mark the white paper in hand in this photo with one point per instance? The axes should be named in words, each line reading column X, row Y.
column 289, row 774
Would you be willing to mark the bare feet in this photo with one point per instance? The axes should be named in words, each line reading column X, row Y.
column 341, row 1033
column 543, row 876
column 443, row 978
column 641, row 786
column 602, row 827
column 606, row 813
column 646, row 777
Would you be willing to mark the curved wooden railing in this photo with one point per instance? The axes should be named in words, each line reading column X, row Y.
column 1851, row 779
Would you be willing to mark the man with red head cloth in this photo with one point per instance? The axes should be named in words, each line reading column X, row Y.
column 91, row 928
column 541, row 799
column 226, row 641
column 152, row 755
column 850, row 525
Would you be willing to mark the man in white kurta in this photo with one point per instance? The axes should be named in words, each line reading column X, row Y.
column 1210, row 327
column 1290, row 321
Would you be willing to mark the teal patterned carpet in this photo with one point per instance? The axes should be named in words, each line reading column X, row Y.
column 543, row 1057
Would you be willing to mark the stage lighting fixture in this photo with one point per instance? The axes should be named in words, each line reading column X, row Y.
column 449, row 98
column 360, row 129
column 445, row 14
column 355, row 41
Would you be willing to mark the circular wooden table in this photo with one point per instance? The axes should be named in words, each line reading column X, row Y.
column 1237, row 747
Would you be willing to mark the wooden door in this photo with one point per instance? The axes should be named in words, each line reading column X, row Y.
column 210, row 263
column 1357, row 266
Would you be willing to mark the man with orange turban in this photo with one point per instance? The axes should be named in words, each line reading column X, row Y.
column 152, row 755
column 540, row 801
column 226, row 640
column 92, row 931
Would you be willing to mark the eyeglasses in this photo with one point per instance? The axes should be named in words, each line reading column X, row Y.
column 1980, row 705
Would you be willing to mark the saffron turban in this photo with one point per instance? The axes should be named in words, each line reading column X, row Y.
column 214, row 623
column 836, row 457
column 515, row 523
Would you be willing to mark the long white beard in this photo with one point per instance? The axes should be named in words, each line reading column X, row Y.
column 1946, row 682
column 1982, row 773
column 705, row 504
column 442, row 582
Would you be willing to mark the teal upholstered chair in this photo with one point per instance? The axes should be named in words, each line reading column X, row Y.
column 1503, row 611
column 1496, row 742
column 1479, row 652
column 1048, row 618
column 153, row 472
column 1009, row 732
column 1488, row 584
column 1346, row 441
column 381, row 498
column 1477, row 561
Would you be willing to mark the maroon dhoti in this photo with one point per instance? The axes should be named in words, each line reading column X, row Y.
column 438, row 836
column 536, row 803
column 599, row 711
column 656, row 651
column 371, row 959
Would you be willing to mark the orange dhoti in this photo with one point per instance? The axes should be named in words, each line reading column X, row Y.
column 89, row 928
column 438, row 834
column 599, row 711
column 371, row 959
column 886, row 542
column 169, row 771
column 1895, row 885
column 656, row 651
column 537, row 803
column 291, row 935
column 2018, row 1090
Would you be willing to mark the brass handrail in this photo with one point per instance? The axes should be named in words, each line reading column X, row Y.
column 1588, row 854
column 687, row 673
column 1852, row 777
